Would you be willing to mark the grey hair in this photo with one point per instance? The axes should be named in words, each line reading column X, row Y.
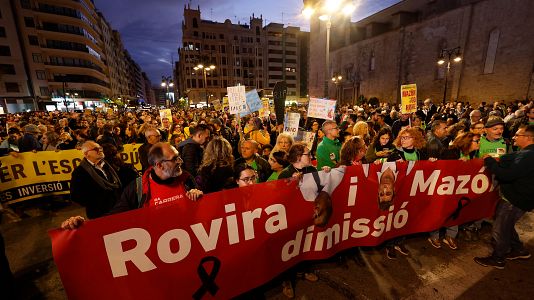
column 326, row 123
column 155, row 154
column 150, row 130
column 87, row 146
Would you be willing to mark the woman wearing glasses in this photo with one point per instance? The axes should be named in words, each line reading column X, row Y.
column 409, row 143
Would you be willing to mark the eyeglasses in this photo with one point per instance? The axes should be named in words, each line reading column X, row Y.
column 476, row 141
column 249, row 179
column 174, row 159
column 478, row 128
column 334, row 128
column 156, row 135
column 306, row 153
column 96, row 149
column 404, row 138
column 523, row 135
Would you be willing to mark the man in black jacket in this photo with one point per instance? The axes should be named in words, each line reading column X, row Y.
column 191, row 149
column 515, row 172
column 94, row 184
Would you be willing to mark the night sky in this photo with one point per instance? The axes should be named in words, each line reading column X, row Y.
column 151, row 30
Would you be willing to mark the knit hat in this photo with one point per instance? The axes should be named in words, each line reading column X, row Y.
column 494, row 121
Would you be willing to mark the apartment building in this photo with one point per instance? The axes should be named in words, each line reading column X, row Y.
column 61, row 52
column 252, row 55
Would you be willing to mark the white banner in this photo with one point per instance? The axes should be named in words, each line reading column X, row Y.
column 291, row 124
column 321, row 108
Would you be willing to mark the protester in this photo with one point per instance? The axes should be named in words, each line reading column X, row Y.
column 328, row 149
column 249, row 156
column 50, row 140
column 515, row 172
column 191, row 149
column 30, row 141
column 278, row 162
column 216, row 171
column 353, row 152
column 153, row 137
column 95, row 184
column 381, row 147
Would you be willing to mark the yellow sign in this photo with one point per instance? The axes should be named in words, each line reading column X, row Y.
column 408, row 98
column 226, row 103
column 165, row 113
column 45, row 173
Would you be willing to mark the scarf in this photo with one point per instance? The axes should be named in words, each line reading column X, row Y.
column 102, row 182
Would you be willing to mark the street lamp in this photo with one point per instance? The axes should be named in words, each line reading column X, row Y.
column 205, row 70
column 445, row 57
column 166, row 82
column 326, row 10
column 337, row 81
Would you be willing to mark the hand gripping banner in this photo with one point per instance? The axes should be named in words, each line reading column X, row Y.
column 235, row 240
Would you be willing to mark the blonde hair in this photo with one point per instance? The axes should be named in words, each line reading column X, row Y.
column 360, row 129
column 283, row 135
column 218, row 152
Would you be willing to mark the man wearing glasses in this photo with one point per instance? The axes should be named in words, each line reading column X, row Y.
column 94, row 184
column 515, row 173
column 328, row 149
column 164, row 183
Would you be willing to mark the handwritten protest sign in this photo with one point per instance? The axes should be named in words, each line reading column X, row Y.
column 216, row 104
column 237, row 99
column 291, row 123
column 253, row 103
column 408, row 98
column 321, row 108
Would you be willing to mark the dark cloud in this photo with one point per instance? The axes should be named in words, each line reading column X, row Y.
column 151, row 30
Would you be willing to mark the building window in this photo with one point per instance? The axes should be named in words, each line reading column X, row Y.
column 41, row 75
column 28, row 21
column 492, row 51
column 12, row 87
column 2, row 31
column 195, row 33
column 195, row 23
column 37, row 58
column 7, row 69
column 372, row 62
column 44, row 91
column 25, row 4
column 32, row 39
column 5, row 51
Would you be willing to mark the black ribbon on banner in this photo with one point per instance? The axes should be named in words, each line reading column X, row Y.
column 463, row 202
column 208, row 280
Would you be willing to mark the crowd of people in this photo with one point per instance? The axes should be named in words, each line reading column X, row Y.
column 201, row 151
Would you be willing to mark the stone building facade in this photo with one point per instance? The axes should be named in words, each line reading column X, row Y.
column 251, row 54
column 402, row 43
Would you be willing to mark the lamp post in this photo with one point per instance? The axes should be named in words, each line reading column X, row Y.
column 166, row 82
column 337, row 81
column 327, row 9
column 445, row 57
column 205, row 71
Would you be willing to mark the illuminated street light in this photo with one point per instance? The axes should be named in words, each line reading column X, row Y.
column 166, row 81
column 445, row 56
column 327, row 9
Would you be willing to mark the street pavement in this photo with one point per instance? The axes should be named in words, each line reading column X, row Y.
column 364, row 273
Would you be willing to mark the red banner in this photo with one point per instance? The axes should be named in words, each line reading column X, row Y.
column 232, row 241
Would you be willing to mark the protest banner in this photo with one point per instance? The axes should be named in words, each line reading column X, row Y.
column 237, row 99
column 31, row 175
column 321, row 108
column 291, row 123
column 46, row 173
column 408, row 98
column 130, row 155
column 253, row 103
column 235, row 240
column 165, row 113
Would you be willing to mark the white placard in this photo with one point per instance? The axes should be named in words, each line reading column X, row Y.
column 291, row 124
column 321, row 108
column 237, row 99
